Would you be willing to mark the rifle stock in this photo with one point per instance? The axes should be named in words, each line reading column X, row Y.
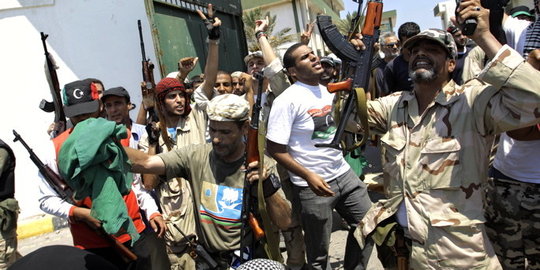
column 66, row 193
column 358, row 64
column 54, row 86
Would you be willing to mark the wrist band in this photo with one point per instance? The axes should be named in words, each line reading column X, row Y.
column 271, row 185
column 259, row 34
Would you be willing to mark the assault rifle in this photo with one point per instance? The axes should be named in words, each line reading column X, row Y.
column 54, row 85
column 148, row 90
column 357, row 66
column 252, row 154
column 66, row 193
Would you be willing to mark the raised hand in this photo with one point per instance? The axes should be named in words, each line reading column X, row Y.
column 305, row 37
column 187, row 64
column 148, row 96
column 262, row 25
column 153, row 133
column 212, row 23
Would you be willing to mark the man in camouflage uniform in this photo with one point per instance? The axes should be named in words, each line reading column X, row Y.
column 9, row 208
column 437, row 141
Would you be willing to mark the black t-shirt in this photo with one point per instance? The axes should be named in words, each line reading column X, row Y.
column 396, row 76
column 457, row 76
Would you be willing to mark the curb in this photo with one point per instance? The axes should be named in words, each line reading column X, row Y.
column 41, row 225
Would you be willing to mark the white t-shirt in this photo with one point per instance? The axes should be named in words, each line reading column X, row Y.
column 514, row 30
column 519, row 160
column 300, row 118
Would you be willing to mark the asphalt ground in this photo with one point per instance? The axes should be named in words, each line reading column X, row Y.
column 63, row 237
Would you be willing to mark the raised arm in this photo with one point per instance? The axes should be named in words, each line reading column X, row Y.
column 482, row 36
column 211, row 68
column 185, row 66
column 261, row 26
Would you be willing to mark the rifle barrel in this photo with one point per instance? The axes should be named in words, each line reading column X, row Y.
column 142, row 41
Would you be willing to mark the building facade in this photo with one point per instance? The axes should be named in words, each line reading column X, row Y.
column 296, row 14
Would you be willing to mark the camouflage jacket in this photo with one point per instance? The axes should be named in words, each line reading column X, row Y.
column 436, row 162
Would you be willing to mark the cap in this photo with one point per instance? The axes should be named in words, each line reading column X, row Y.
column 520, row 10
column 236, row 74
column 80, row 97
column 452, row 29
column 167, row 85
column 228, row 107
column 252, row 55
column 328, row 60
column 444, row 38
column 116, row 91
column 336, row 59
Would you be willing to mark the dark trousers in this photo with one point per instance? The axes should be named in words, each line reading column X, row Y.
column 140, row 248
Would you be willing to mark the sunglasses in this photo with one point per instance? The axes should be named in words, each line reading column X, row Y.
column 391, row 45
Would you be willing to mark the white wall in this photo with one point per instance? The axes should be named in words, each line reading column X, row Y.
column 88, row 39
column 285, row 18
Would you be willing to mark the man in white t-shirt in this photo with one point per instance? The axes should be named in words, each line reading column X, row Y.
column 299, row 119
column 512, row 198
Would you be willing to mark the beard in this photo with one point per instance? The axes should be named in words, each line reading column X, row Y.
column 426, row 75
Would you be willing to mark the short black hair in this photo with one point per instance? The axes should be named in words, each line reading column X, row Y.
column 288, row 59
column 407, row 30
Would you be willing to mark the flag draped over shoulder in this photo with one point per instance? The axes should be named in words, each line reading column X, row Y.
column 94, row 164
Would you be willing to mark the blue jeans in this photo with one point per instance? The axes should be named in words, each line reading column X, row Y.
column 351, row 201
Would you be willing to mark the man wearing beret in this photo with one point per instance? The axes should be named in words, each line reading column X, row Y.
column 215, row 172
column 437, row 140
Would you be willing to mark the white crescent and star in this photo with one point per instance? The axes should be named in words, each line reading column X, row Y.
column 78, row 93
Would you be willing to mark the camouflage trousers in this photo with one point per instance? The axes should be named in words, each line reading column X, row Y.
column 181, row 261
column 8, row 252
column 512, row 211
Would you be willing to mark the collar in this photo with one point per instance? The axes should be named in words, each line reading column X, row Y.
column 183, row 124
column 449, row 94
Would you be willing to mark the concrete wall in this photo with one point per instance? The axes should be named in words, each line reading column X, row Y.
column 88, row 39
column 285, row 18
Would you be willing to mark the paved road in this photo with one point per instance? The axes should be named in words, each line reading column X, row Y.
column 63, row 237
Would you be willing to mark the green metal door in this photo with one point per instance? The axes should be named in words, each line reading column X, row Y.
column 180, row 32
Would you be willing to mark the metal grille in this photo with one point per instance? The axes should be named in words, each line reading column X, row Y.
column 189, row 5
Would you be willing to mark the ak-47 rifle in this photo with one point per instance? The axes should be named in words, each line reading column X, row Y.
column 357, row 66
column 148, row 90
column 54, row 85
column 252, row 154
column 66, row 193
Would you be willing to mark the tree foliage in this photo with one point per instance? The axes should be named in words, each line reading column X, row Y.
column 275, row 39
column 344, row 25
